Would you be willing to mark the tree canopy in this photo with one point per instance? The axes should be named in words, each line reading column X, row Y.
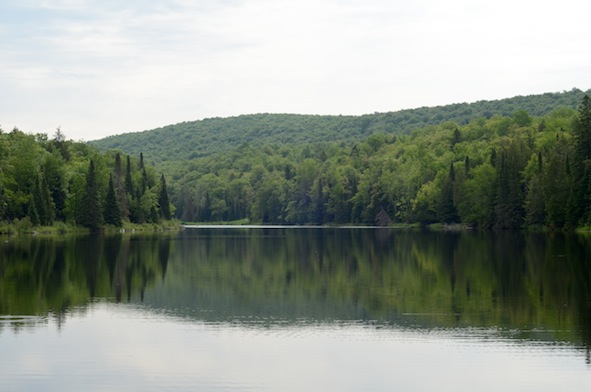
column 44, row 181
column 495, row 170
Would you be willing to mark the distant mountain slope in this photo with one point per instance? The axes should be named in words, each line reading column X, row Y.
column 193, row 139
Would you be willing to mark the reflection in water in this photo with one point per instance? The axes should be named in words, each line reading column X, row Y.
column 531, row 286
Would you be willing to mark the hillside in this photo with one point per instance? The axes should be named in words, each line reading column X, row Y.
column 196, row 139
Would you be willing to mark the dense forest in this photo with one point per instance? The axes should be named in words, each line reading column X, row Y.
column 49, row 182
column 493, row 170
column 196, row 139
column 502, row 172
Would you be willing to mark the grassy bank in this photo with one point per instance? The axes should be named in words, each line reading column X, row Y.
column 25, row 226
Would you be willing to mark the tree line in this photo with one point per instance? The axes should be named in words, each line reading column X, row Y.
column 48, row 181
column 501, row 172
column 196, row 139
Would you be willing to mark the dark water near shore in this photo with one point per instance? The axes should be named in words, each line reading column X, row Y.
column 296, row 309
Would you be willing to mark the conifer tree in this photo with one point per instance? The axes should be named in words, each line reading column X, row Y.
column 48, row 205
column 509, row 208
column 580, row 202
column 163, row 200
column 91, row 214
column 43, row 208
column 447, row 210
column 120, row 189
column 128, row 178
column 534, row 201
column 112, row 213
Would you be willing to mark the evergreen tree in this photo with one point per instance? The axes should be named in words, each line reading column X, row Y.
column 318, row 204
column 58, row 195
column 580, row 203
column 534, row 202
column 557, row 185
column 509, row 206
column 42, row 206
column 163, row 200
column 112, row 213
column 144, row 183
column 32, row 212
column 128, row 178
column 120, row 188
column 447, row 210
column 48, row 205
column 91, row 214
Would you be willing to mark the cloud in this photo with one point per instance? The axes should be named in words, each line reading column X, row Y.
column 100, row 67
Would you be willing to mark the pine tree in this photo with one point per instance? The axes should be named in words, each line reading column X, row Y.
column 509, row 209
column 43, row 205
column 128, row 178
column 580, row 203
column 447, row 210
column 120, row 189
column 534, row 202
column 112, row 213
column 91, row 215
column 163, row 200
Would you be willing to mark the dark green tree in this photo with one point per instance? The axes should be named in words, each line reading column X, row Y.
column 112, row 212
column 91, row 214
column 163, row 199
column 128, row 178
column 447, row 209
column 509, row 209
column 580, row 199
column 534, row 201
column 42, row 205
column 557, row 183
column 120, row 188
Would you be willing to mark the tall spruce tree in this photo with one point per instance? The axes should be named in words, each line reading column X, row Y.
column 579, row 200
column 447, row 209
column 120, row 189
column 163, row 200
column 91, row 215
column 509, row 209
column 534, row 200
column 128, row 178
column 112, row 212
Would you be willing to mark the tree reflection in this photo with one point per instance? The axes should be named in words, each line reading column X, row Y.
column 427, row 279
column 40, row 276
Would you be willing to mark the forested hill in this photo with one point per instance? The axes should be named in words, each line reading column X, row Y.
column 195, row 139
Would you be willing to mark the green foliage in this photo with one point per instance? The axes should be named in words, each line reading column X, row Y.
column 45, row 182
column 163, row 200
column 91, row 215
column 495, row 170
column 500, row 172
column 112, row 212
column 197, row 139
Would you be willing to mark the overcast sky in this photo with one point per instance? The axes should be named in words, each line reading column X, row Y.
column 103, row 67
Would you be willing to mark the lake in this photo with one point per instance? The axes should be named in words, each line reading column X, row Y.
column 296, row 309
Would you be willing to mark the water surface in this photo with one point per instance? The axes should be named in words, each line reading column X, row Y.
column 296, row 309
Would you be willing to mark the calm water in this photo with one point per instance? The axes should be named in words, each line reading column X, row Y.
column 296, row 309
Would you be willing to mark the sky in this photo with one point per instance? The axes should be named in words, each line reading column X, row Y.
column 95, row 68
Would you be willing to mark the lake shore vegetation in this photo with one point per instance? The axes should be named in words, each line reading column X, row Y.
column 58, row 186
column 504, row 172
column 490, row 170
